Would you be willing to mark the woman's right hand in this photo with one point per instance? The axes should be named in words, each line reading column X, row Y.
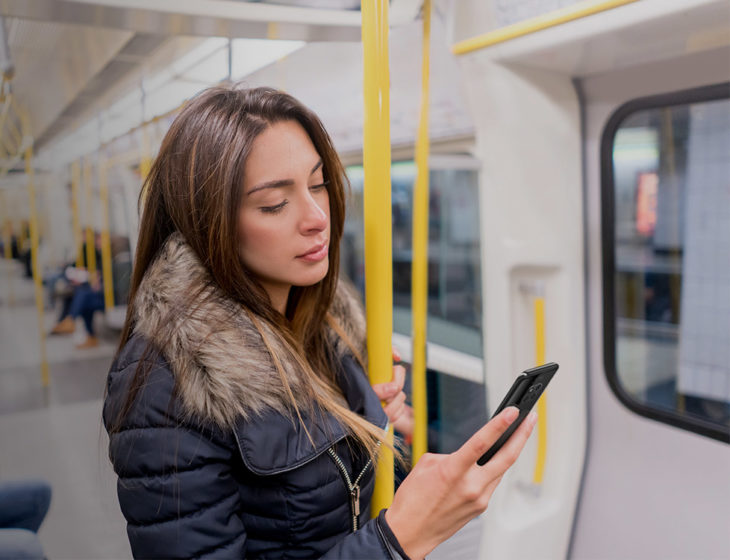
column 443, row 492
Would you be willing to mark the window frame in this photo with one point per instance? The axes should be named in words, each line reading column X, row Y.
column 714, row 92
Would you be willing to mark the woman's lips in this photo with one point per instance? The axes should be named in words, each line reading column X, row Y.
column 316, row 254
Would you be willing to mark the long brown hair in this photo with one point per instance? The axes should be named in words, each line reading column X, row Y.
column 195, row 187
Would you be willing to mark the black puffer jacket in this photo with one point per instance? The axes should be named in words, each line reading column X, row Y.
column 210, row 463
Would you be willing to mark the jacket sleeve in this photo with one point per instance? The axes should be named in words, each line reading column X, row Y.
column 175, row 486
column 374, row 540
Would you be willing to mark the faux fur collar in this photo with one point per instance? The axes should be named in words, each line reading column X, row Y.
column 222, row 366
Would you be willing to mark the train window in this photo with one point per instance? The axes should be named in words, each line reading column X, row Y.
column 454, row 286
column 666, row 237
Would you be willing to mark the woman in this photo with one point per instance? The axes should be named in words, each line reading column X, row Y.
column 241, row 421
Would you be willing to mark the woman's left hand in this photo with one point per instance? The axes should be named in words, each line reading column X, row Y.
column 394, row 399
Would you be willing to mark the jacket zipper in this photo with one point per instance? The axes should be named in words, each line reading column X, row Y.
column 352, row 487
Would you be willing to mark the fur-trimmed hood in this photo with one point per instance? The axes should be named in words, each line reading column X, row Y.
column 222, row 366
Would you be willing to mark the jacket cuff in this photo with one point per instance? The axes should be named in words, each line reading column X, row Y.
column 389, row 536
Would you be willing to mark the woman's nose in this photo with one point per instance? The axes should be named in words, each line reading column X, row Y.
column 314, row 216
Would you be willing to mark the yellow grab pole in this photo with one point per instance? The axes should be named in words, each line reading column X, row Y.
column 8, row 246
column 542, row 402
column 106, row 247
column 7, row 234
column 419, row 291
column 145, row 163
column 78, row 242
column 90, row 242
column 532, row 25
column 45, row 379
column 377, row 212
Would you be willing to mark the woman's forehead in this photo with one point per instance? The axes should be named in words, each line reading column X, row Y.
column 283, row 150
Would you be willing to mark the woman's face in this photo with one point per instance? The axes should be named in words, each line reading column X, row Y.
column 284, row 220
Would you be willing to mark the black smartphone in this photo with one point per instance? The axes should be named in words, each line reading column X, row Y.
column 523, row 394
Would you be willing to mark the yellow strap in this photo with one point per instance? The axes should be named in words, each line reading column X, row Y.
column 377, row 211
column 419, row 289
column 532, row 25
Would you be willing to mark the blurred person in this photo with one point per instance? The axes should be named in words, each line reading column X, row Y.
column 241, row 420
column 85, row 297
column 23, row 507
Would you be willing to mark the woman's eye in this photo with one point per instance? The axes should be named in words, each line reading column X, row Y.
column 274, row 209
column 320, row 186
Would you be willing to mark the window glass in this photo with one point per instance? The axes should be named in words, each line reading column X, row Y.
column 671, row 243
column 454, row 285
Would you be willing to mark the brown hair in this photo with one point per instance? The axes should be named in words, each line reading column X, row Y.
column 195, row 187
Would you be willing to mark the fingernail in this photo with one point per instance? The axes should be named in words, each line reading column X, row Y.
column 532, row 418
column 511, row 413
column 392, row 387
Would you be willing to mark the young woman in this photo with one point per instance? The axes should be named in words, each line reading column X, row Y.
column 241, row 420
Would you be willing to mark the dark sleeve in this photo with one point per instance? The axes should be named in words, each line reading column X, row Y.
column 374, row 540
column 176, row 489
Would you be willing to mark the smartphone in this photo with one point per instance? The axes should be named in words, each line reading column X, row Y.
column 523, row 394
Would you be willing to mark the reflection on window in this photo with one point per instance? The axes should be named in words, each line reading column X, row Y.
column 454, row 285
column 672, row 259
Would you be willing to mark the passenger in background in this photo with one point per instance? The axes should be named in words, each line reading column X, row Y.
column 23, row 507
column 85, row 298
column 242, row 423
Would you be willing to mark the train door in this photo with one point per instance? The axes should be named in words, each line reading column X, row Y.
column 657, row 153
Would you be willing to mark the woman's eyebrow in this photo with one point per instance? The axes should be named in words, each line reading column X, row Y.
column 276, row 183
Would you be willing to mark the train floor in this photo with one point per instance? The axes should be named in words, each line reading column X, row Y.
column 55, row 432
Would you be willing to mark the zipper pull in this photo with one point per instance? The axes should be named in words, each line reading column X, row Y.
column 355, row 499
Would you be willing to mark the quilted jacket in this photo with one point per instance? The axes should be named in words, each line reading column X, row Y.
column 209, row 459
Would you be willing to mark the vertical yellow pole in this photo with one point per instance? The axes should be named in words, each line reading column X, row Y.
column 8, row 246
column 78, row 242
column 377, row 212
column 23, row 235
column 419, row 291
column 7, row 233
column 106, row 247
column 542, row 402
column 145, row 163
column 45, row 379
column 90, row 244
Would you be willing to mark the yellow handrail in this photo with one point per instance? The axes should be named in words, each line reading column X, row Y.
column 90, row 241
column 145, row 163
column 532, row 25
column 419, row 290
column 76, row 224
column 539, row 471
column 8, row 245
column 7, row 229
column 106, row 247
column 37, row 281
column 377, row 211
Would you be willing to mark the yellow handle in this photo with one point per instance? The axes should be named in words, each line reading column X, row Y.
column 377, row 211
column 539, row 472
